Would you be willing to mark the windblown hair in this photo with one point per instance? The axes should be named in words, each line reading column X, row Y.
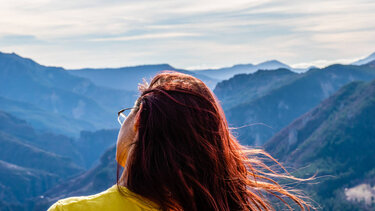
column 186, row 158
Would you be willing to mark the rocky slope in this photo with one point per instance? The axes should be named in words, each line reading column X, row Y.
column 336, row 140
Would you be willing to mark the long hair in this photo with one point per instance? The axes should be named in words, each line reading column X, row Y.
column 186, row 158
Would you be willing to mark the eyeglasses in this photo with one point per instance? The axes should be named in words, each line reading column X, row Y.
column 123, row 114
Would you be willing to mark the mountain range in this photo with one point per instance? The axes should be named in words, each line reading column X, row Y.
column 56, row 123
column 284, row 101
column 228, row 72
column 336, row 140
column 31, row 163
column 242, row 88
column 127, row 78
column 54, row 100
column 64, row 101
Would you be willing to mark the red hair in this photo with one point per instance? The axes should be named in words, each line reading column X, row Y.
column 186, row 158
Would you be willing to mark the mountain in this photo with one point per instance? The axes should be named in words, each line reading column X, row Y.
column 365, row 60
column 246, row 87
column 53, row 90
column 228, row 72
column 92, row 145
column 127, row 78
column 84, row 150
column 336, row 139
column 17, row 152
column 278, row 107
column 271, row 65
column 18, row 184
column 31, row 163
column 48, row 142
column 95, row 180
column 44, row 120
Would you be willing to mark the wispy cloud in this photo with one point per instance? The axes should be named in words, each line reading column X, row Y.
column 193, row 33
column 17, row 39
column 145, row 36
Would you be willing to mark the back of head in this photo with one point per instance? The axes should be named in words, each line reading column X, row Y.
column 185, row 157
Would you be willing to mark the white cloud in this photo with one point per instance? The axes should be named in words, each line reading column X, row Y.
column 145, row 36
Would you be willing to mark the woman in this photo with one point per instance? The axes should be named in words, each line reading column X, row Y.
column 179, row 154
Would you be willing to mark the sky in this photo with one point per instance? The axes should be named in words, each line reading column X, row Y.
column 194, row 34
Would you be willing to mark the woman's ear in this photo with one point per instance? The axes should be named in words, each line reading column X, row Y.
column 135, row 127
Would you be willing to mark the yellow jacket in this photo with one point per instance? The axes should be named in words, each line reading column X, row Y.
column 108, row 200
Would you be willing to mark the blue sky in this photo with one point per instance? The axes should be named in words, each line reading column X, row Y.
column 187, row 34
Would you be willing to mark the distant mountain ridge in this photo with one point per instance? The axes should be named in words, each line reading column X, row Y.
column 113, row 76
column 366, row 60
column 127, row 78
column 57, row 93
column 228, row 72
column 278, row 107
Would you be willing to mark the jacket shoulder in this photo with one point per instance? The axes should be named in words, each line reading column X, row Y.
column 110, row 199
